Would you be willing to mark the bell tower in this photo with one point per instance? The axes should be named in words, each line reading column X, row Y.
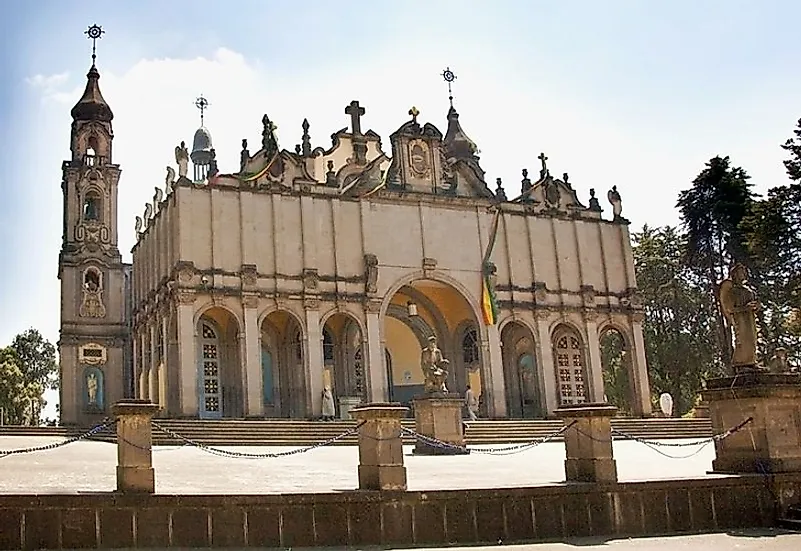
column 94, row 333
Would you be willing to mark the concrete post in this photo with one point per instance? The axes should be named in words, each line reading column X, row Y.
column 588, row 443
column 439, row 416
column 380, row 446
column 770, row 442
column 134, row 446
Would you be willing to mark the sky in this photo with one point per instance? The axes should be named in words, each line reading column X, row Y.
column 638, row 94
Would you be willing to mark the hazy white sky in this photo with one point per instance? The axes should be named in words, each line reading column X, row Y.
column 634, row 93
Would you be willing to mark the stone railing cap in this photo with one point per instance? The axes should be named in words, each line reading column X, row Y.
column 586, row 410
column 388, row 410
column 134, row 407
column 754, row 378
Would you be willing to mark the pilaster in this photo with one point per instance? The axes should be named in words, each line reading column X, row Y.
column 377, row 378
column 548, row 368
column 252, row 381
column 187, row 353
column 639, row 369
column 495, row 391
column 314, row 353
column 594, row 368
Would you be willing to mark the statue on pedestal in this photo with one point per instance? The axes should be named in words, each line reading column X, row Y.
column 739, row 303
column 434, row 367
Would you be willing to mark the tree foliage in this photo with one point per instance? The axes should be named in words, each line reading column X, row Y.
column 680, row 320
column 27, row 367
column 615, row 361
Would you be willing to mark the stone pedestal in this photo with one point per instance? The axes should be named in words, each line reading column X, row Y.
column 134, row 446
column 771, row 443
column 347, row 403
column 588, row 443
column 439, row 416
column 380, row 446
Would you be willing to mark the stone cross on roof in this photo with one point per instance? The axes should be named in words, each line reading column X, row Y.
column 355, row 112
column 414, row 111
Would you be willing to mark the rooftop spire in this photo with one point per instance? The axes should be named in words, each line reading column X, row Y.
column 449, row 77
column 202, row 104
column 92, row 106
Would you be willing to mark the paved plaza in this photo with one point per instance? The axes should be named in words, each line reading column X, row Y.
column 90, row 467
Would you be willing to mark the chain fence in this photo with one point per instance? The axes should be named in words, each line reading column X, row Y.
column 105, row 424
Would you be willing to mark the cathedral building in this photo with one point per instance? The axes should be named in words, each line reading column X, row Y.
column 250, row 292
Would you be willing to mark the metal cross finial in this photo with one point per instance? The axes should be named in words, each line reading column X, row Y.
column 202, row 104
column 95, row 32
column 414, row 111
column 449, row 77
column 355, row 111
column 542, row 159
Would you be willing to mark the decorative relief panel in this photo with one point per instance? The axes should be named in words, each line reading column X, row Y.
column 92, row 354
column 92, row 291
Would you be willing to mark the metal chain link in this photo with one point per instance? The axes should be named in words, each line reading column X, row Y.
column 106, row 423
column 267, row 455
column 713, row 438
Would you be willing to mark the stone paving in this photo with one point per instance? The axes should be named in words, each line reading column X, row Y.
column 91, row 466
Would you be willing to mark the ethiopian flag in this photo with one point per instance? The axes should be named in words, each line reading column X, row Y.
column 489, row 307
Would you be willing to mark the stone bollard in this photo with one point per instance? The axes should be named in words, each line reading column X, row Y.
column 770, row 442
column 134, row 445
column 588, row 443
column 439, row 416
column 380, row 446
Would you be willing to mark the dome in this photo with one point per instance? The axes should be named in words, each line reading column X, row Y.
column 92, row 106
column 456, row 141
column 201, row 146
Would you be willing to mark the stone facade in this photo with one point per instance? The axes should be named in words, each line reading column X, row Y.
column 253, row 291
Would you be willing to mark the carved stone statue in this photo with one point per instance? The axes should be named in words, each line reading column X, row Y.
column 268, row 140
column 169, row 182
column 371, row 273
column 158, row 196
column 739, row 303
column 614, row 199
column 148, row 214
column 434, row 367
column 244, row 156
column 91, row 388
column 778, row 363
column 182, row 158
column 138, row 226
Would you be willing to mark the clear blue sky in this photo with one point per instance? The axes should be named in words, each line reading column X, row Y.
column 633, row 93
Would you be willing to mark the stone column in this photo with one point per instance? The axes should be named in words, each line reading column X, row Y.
column 548, row 374
column 639, row 369
column 137, row 364
column 496, row 401
column 380, row 447
column 595, row 369
column 251, row 353
column 374, row 357
column 187, row 353
column 134, row 446
column 588, row 443
column 314, row 359
column 771, row 442
column 153, row 374
column 144, row 377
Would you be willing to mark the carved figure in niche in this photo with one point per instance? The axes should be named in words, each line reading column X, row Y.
column 182, row 158
column 92, row 304
column 91, row 207
column 778, row 363
column 91, row 388
column 739, row 303
column 418, row 158
column 371, row 273
column 552, row 195
column 169, row 181
column 614, row 199
column 434, row 367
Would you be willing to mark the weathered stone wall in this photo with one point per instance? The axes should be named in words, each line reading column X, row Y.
column 392, row 518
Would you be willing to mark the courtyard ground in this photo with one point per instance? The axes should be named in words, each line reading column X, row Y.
column 91, row 467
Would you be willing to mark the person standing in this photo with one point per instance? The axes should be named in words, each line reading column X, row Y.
column 329, row 410
column 471, row 402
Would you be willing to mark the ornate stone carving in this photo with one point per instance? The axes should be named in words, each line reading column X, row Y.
column 370, row 273
column 250, row 300
column 92, row 354
column 429, row 264
column 93, row 235
column 372, row 306
column 740, row 304
column 92, row 300
column 249, row 275
column 590, row 314
column 184, row 297
column 185, row 272
column 588, row 294
column 311, row 303
column 169, row 181
column 434, row 367
column 420, row 158
column 778, row 362
column 217, row 298
column 182, row 158
column 311, row 279
column 540, row 291
column 617, row 205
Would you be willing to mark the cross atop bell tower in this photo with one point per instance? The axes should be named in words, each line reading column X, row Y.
column 355, row 111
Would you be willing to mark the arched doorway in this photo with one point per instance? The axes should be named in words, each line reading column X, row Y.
column 219, row 366
column 615, row 361
column 343, row 359
column 571, row 366
column 284, row 386
column 416, row 311
column 520, row 373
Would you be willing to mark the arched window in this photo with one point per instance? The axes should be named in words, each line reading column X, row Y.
column 470, row 347
column 92, row 206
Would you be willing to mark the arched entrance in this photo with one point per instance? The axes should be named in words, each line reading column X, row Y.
column 571, row 366
column 219, row 366
column 343, row 359
column 416, row 311
column 282, row 366
column 520, row 373
column 616, row 364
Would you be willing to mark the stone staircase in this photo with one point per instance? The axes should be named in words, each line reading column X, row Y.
column 286, row 432
column 791, row 519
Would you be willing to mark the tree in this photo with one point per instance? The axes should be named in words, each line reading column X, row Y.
column 680, row 319
column 711, row 213
column 18, row 395
column 793, row 146
column 37, row 358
